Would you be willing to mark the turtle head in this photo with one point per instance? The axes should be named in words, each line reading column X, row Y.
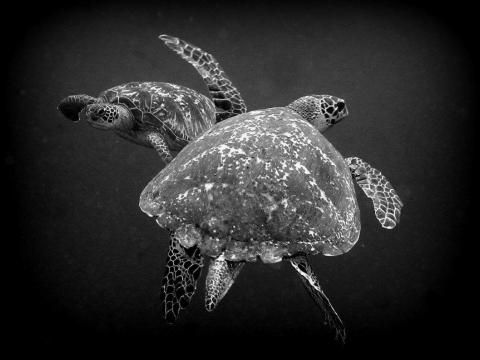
column 322, row 111
column 107, row 116
column 72, row 105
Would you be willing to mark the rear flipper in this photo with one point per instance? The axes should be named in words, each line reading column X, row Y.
column 227, row 98
column 309, row 280
column 180, row 280
column 386, row 202
column 220, row 277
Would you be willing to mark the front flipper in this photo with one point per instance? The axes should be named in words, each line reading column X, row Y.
column 226, row 97
column 72, row 105
column 386, row 202
column 159, row 144
column 220, row 277
column 309, row 280
column 180, row 280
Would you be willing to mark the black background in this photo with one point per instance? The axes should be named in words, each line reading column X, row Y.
column 84, row 265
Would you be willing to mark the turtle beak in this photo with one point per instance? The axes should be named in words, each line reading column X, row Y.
column 342, row 111
column 342, row 108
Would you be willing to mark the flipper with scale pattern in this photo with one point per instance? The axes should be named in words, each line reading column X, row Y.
column 311, row 284
column 386, row 202
column 227, row 98
column 159, row 144
column 180, row 280
column 220, row 277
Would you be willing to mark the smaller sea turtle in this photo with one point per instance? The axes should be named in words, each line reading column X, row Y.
column 161, row 115
column 262, row 185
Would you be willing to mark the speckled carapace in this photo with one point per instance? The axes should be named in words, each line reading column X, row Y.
column 264, row 184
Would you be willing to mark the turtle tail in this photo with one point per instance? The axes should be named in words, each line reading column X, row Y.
column 72, row 105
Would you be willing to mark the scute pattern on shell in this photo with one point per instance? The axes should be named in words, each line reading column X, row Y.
column 178, row 111
column 265, row 183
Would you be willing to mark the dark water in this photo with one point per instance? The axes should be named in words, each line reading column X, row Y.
column 86, row 264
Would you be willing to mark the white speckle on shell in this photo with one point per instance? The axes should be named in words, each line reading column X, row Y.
column 264, row 174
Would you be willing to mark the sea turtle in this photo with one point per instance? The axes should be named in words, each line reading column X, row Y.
column 262, row 185
column 161, row 115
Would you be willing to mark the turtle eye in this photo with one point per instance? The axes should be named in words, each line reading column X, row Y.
column 340, row 106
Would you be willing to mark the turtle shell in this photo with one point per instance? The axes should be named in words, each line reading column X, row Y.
column 178, row 112
column 261, row 184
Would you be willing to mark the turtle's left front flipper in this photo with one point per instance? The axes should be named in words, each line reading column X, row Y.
column 386, row 202
column 180, row 280
column 311, row 284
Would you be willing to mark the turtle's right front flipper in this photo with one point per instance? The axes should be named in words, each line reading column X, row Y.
column 386, row 202
column 311, row 284
column 180, row 280
column 72, row 105
column 226, row 97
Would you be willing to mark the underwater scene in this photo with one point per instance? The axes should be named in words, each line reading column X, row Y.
column 239, row 177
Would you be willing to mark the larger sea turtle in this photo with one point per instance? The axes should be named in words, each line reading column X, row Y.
column 262, row 185
column 161, row 115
